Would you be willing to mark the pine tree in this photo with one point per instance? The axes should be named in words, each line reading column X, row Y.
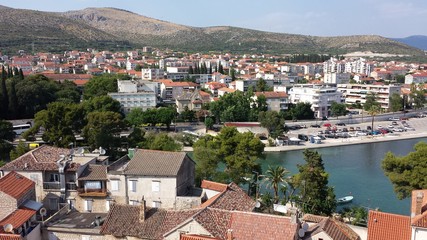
column 220, row 68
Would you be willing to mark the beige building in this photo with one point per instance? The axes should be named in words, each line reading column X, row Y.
column 161, row 179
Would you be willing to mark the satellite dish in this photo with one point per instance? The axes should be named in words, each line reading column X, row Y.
column 8, row 228
column 257, row 204
column 305, row 226
column 101, row 151
column 80, row 150
column 43, row 211
column 301, row 232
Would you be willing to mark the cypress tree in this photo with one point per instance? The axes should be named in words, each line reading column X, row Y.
column 220, row 68
column 210, row 69
column 21, row 74
column 190, row 70
column 13, row 101
column 15, row 71
column 9, row 72
column 4, row 96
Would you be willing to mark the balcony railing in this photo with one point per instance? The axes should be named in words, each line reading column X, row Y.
column 52, row 185
column 92, row 192
column 71, row 186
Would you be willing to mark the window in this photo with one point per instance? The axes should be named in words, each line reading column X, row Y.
column 53, row 203
column 54, row 177
column 133, row 202
column 155, row 186
column 156, row 204
column 88, row 205
column 115, row 185
column 132, row 185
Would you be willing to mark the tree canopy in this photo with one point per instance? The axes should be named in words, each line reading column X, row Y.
column 101, row 85
column 409, row 172
column 238, row 151
column 396, row 102
column 316, row 197
column 338, row 109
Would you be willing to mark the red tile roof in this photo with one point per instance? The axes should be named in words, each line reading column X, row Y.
column 17, row 218
column 6, row 236
column 234, row 198
column 219, row 187
column 272, row 94
column 15, row 185
column 42, row 158
column 387, row 226
column 194, row 237
column 248, row 225
column 333, row 228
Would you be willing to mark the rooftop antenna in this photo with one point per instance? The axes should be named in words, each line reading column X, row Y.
column 101, row 151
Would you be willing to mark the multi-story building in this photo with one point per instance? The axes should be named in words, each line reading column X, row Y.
column 64, row 176
column 320, row 97
column 336, row 78
column 152, row 73
column 420, row 77
column 161, row 179
column 356, row 93
column 276, row 101
column 136, row 94
column 170, row 90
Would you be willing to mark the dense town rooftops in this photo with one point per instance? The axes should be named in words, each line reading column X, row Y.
column 387, row 226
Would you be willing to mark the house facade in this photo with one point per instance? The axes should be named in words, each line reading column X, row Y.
column 356, row 93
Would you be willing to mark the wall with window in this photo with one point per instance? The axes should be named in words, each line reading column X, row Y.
column 116, row 185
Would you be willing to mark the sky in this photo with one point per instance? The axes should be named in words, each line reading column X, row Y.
column 388, row 18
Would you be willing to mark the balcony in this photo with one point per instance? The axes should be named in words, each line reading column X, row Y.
column 71, row 186
column 51, row 186
column 92, row 192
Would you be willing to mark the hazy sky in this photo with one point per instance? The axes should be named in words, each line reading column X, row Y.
column 388, row 18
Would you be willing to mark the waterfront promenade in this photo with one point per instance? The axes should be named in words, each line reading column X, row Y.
column 419, row 124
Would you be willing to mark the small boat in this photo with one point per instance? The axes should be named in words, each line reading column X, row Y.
column 345, row 199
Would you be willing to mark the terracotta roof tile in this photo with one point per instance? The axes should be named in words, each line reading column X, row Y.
column 194, row 237
column 156, row 163
column 333, row 228
column 387, row 226
column 219, row 187
column 5, row 236
column 17, row 218
column 272, row 94
column 215, row 221
column 234, row 198
column 94, row 172
column 42, row 158
column 15, row 185
column 248, row 225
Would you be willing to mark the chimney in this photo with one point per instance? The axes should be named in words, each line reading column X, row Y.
column 419, row 203
column 230, row 234
column 142, row 209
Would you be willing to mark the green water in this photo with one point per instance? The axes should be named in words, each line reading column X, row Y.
column 355, row 170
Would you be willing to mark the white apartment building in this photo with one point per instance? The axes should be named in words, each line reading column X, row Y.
column 276, row 101
column 152, row 73
column 356, row 93
column 336, row 78
column 136, row 94
column 420, row 77
column 320, row 97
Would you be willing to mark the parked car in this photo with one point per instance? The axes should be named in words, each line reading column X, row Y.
column 324, row 118
column 303, row 137
column 394, row 123
column 315, row 125
column 340, row 124
column 351, row 129
column 394, row 119
column 358, row 129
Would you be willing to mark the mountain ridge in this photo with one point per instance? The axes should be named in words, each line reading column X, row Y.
column 113, row 28
column 418, row 41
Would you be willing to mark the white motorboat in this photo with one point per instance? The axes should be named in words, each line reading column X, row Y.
column 345, row 199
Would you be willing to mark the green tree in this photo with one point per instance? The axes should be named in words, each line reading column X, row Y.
column 6, row 138
column 4, row 101
column 338, row 109
column 60, row 121
column 275, row 177
column 302, row 110
column 357, row 215
column 261, row 86
column 373, row 111
column 101, row 85
column 238, row 151
column 233, row 107
column 400, row 78
column 396, row 102
column 274, row 123
column 371, row 100
column 19, row 150
column 209, row 122
column 165, row 143
column 135, row 117
column 315, row 195
column 418, row 98
column 13, row 100
column 409, row 172
column 165, row 115
column 102, row 103
column 103, row 129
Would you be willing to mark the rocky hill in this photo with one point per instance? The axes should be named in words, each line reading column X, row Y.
column 418, row 41
column 109, row 28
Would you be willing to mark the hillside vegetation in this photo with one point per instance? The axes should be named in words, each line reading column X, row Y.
column 115, row 29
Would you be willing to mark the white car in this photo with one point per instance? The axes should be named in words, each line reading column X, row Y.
column 409, row 128
column 362, row 133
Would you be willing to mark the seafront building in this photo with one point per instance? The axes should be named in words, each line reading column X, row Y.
column 320, row 96
column 356, row 93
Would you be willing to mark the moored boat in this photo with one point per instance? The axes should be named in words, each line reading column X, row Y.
column 345, row 199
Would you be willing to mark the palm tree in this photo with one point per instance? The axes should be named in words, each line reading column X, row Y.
column 373, row 110
column 275, row 177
